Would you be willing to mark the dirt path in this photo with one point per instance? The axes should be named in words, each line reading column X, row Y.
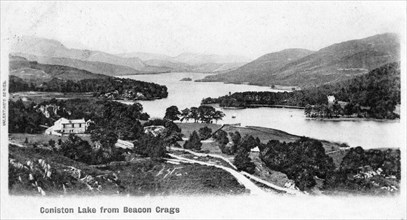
column 254, row 190
column 244, row 174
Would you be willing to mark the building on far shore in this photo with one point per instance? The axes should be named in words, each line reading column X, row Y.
column 66, row 126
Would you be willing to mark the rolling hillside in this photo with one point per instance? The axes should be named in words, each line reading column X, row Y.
column 334, row 63
column 91, row 66
column 34, row 72
column 261, row 66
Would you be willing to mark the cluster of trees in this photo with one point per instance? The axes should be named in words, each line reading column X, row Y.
column 379, row 90
column 254, row 99
column 335, row 110
column 102, row 152
column 112, row 121
column 24, row 118
column 103, row 149
column 243, row 147
column 301, row 160
column 107, row 87
column 358, row 161
column 240, row 147
column 122, row 119
column 203, row 113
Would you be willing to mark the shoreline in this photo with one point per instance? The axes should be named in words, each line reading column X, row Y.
column 353, row 119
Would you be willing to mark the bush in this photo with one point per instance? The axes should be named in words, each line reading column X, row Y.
column 205, row 133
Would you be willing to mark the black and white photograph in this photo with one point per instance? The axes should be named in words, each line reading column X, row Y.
column 203, row 110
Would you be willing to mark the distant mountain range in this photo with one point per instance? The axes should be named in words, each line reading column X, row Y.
column 304, row 68
column 53, row 52
column 189, row 58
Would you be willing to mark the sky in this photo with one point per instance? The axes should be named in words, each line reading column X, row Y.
column 250, row 29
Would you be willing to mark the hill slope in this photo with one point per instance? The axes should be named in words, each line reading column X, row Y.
column 37, row 73
column 378, row 92
column 53, row 49
column 261, row 66
column 334, row 63
column 91, row 66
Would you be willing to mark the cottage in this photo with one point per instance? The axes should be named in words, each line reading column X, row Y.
column 255, row 150
column 154, row 130
column 66, row 126
column 331, row 100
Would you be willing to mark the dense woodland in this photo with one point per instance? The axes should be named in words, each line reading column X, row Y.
column 111, row 88
column 111, row 121
column 377, row 92
column 367, row 171
column 374, row 171
column 301, row 160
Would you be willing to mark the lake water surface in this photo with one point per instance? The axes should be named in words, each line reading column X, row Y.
column 185, row 94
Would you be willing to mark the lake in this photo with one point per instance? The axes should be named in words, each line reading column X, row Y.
column 185, row 94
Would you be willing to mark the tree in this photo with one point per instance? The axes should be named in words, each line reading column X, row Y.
column 336, row 108
column 218, row 115
column 194, row 114
column 248, row 143
column 52, row 143
column 77, row 149
column 307, row 110
column 205, row 133
column 236, row 139
column 172, row 113
column 105, row 140
column 243, row 162
column 206, row 113
column 194, row 142
column 185, row 114
column 150, row 146
column 222, row 139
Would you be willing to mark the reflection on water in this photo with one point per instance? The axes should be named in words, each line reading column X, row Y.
column 185, row 94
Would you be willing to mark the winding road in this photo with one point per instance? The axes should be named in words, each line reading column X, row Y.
column 254, row 190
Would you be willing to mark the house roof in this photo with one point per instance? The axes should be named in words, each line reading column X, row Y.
column 73, row 121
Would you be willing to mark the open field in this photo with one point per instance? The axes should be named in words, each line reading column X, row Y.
column 19, row 138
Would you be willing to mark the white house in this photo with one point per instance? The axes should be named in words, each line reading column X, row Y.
column 66, row 126
column 331, row 99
